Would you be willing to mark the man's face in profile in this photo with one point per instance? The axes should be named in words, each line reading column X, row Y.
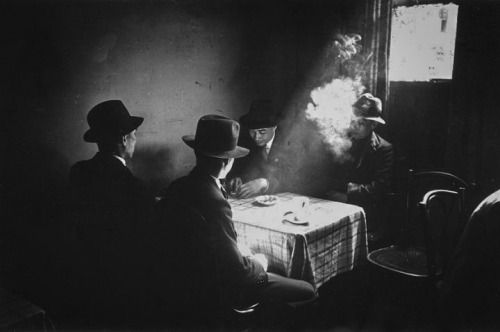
column 226, row 169
column 262, row 136
column 130, row 140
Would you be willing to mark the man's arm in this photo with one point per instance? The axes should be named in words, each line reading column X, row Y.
column 235, row 267
column 383, row 163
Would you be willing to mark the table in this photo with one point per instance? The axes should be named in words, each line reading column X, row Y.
column 333, row 242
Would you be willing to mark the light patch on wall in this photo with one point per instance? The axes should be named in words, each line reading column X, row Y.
column 423, row 42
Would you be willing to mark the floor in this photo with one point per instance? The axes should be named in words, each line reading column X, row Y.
column 367, row 299
column 371, row 299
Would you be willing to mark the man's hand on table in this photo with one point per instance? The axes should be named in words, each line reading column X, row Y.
column 261, row 259
column 234, row 186
column 253, row 188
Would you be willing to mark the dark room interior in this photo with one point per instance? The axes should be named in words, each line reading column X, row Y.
column 174, row 61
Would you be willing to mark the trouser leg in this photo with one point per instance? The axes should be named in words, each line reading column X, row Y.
column 287, row 290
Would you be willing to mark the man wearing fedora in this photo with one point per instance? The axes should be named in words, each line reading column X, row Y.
column 105, row 177
column 110, row 208
column 367, row 177
column 240, row 277
column 263, row 169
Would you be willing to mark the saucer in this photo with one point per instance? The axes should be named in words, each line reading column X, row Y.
column 291, row 217
column 266, row 200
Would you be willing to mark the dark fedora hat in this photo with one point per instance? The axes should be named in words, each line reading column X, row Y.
column 216, row 136
column 110, row 118
column 260, row 115
column 369, row 107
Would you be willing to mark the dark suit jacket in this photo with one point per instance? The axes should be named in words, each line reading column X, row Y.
column 104, row 180
column 274, row 167
column 110, row 213
column 234, row 272
column 370, row 171
column 370, row 174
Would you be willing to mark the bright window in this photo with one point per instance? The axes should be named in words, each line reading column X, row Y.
column 423, row 42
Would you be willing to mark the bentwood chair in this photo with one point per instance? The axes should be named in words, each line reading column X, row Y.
column 442, row 221
column 408, row 274
column 435, row 208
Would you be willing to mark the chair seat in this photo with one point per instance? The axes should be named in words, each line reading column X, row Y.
column 407, row 261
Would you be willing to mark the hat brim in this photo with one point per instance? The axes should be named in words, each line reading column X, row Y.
column 251, row 122
column 92, row 135
column 238, row 152
column 376, row 119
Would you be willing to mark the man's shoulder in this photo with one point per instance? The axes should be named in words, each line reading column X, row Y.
column 195, row 192
column 489, row 208
column 81, row 168
column 380, row 143
column 191, row 185
column 103, row 169
column 493, row 199
column 99, row 161
column 82, row 164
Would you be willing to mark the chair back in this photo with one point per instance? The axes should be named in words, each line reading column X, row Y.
column 419, row 184
column 443, row 221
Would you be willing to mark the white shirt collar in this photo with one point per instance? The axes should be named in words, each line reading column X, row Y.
column 270, row 143
column 217, row 181
column 120, row 159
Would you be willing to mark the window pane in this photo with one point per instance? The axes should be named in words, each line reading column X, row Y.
column 423, row 42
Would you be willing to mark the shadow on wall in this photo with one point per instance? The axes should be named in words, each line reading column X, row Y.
column 157, row 165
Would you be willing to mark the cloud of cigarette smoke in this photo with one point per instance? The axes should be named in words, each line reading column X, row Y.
column 331, row 110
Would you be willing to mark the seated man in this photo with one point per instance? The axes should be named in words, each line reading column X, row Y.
column 368, row 174
column 110, row 208
column 240, row 278
column 262, row 170
column 105, row 179
column 472, row 285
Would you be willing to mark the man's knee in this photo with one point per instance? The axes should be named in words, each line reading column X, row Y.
column 305, row 291
column 291, row 290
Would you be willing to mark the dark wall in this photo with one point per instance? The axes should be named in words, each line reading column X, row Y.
column 168, row 62
column 418, row 118
column 474, row 147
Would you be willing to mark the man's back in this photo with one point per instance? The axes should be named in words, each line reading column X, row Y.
column 104, row 180
column 110, row 212
column 199, row 192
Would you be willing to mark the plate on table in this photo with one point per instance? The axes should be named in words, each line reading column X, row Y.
column 292, row 218
column 266, row 200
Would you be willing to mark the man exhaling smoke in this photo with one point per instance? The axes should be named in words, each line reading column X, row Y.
column 368, row 174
